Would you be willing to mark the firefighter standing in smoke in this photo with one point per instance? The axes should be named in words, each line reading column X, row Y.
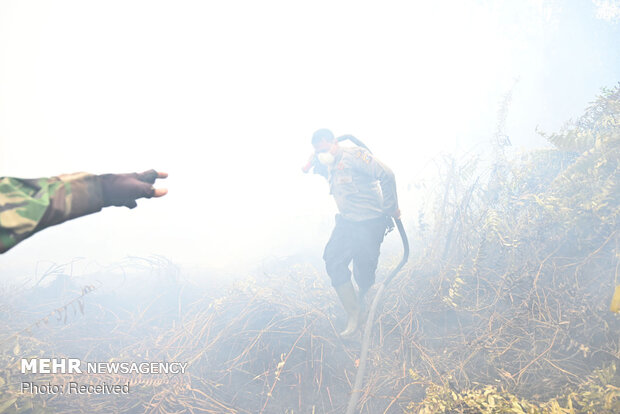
column 365, row 192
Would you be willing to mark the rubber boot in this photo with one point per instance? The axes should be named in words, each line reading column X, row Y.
column 350, row 301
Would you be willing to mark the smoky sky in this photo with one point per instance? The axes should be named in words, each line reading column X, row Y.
column 225, row 96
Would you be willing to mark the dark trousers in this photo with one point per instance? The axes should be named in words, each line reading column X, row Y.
column 357, row 241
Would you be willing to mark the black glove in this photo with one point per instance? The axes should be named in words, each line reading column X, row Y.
column 125, row 189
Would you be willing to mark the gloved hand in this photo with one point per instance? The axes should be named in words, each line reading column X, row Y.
column 125, row 189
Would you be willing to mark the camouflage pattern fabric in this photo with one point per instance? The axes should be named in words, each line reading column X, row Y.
column 30, row 205
column 364, row 188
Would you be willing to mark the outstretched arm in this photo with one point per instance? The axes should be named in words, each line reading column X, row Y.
column 28, row 206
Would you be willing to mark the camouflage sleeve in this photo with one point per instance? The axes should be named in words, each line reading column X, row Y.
column 30, row 205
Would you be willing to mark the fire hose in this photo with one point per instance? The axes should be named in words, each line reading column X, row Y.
column 359, row 377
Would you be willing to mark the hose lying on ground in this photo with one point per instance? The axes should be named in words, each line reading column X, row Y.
column 359, row 377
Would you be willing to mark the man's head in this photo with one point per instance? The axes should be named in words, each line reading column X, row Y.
column 322, row 135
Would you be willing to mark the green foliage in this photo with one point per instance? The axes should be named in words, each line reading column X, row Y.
column 598, row 125
column 599, row 394
column 514, row 289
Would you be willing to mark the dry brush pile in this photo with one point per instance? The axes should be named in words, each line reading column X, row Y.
column 504, row 307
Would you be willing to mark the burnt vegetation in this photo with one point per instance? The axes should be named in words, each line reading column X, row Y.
column 503, row 307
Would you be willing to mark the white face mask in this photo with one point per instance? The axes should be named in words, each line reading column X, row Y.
column 326, row 158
